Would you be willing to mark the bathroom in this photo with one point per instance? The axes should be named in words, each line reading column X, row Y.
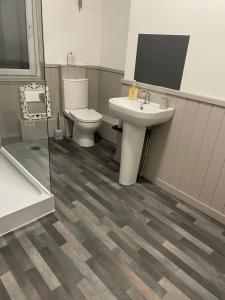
column 103, row 197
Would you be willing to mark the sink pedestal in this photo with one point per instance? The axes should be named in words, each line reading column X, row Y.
column 132, row 145
column 136, row 118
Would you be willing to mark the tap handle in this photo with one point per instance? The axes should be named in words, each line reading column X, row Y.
column 145, row 95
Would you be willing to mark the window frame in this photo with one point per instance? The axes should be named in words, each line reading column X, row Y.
column 33, row 46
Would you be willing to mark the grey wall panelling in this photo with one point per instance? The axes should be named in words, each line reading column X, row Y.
column 52, row 78
column 10, row 108
column 109, row 87
column 187, row 155
column 93, row 78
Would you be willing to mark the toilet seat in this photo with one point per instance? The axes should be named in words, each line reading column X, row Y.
column 86, row 115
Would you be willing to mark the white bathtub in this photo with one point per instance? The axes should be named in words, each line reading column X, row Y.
column 22, row 198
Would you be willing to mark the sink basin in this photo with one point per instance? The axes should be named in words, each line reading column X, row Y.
column 136, row 116
column 131, row 112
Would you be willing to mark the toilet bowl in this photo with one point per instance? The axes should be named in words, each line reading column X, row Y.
column 85, row 121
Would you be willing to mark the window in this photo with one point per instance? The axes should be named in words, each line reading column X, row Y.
column 19, row 38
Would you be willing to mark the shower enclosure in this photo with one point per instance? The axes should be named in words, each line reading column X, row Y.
column 25, row 107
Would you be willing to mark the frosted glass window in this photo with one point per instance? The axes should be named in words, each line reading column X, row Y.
column 21, row 41
column 13, row 35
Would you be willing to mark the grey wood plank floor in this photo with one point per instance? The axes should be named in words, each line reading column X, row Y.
column 106, row 241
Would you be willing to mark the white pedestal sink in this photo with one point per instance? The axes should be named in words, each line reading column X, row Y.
column 136, row 118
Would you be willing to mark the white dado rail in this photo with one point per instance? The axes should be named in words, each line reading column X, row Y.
column 175, row 93
column 187, row 155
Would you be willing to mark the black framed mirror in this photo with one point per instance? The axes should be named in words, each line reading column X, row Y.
column 160, row 59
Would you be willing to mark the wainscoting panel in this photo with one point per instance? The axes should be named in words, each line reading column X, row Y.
column 93, row 88
column 180, row 153
column 10, row 102
column 9, row 110
column 214, row 171
column 53, row 82
column 206, row 152
column 109, row 87
column 187, row 155
column 194, row 148
column 172, row 142
column 218, row 198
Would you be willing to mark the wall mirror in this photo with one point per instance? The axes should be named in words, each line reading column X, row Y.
column 160, row 59
column 35, row 102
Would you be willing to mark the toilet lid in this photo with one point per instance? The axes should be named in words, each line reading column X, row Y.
column 86, row 115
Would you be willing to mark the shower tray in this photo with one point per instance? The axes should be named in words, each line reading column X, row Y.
column 22, row 198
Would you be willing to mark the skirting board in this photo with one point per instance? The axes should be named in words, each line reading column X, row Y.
column 185, row 197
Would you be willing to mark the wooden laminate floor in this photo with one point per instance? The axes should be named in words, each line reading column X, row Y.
column 107, row 242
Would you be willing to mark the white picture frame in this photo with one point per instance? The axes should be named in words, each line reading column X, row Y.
column 39, row 88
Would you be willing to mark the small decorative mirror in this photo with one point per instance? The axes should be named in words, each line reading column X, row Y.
column 35, row 102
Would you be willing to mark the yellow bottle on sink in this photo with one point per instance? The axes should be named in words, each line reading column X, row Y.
column 133, row 92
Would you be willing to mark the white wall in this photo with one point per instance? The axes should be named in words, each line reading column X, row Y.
column 65, row 29
column 203, row 20
column 97, row 35
column 114, row 33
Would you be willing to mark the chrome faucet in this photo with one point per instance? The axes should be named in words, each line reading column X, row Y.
column 146, row 97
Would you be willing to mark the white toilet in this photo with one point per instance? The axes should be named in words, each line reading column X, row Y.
column 86, row 121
